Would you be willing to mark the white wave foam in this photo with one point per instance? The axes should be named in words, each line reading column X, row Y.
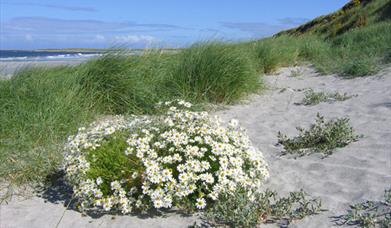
column 51, row 57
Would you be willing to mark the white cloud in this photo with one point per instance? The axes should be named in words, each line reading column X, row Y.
column 28, row 37
column 99, row 38
column 131, row 39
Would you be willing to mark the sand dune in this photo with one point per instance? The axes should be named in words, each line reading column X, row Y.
column 360, row 171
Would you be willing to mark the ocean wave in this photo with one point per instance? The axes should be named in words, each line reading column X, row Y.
column 51, row 57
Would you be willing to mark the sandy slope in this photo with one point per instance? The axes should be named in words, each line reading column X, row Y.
column 355, row 173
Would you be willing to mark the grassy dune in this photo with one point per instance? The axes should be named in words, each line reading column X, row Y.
column 40, row 107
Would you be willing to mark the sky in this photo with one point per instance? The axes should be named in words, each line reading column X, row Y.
column 146, row 23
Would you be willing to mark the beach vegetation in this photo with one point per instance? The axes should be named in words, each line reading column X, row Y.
column 179, row 158
column 214, row 72
column 240, row 210
column 323, row 136
column 312, row 98
column 40, row 107
column 369, row 213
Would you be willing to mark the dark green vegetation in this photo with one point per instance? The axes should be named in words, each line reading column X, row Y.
column 313, row 98
column 322, row 137
column 214, row 72
column 108, row 161
column 267, row 207
column 40, row 107
column 369, row 214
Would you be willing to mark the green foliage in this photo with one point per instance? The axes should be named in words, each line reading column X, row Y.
column 359, row 67
column 352, row 15
column 125, row 84
column 369, row 214
column 357, row 52
column 38, row 108
column 214, row 72
column 239, row 211
column 313, row 98
column 109, row 162
column 272, row 53
column 322, row 137
column 352, row 41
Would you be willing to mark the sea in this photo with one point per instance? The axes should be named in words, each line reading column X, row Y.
column 36, row 56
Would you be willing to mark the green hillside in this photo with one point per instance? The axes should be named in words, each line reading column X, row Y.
column 355, row 14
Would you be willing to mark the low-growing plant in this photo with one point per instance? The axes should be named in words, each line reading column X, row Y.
column 322, row 137
column 179, row 158
column 312, row 98
column 369, row 214
column 295, row 73
column 240, row 210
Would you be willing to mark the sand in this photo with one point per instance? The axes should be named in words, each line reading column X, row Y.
column 8, row 68
column 360, row 171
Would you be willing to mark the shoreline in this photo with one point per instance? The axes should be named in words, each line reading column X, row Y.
column 9, row 68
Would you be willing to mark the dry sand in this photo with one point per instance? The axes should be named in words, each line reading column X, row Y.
column 361, row 171
column 8, row 68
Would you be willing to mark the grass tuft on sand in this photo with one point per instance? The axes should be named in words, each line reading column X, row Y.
column 324, row 136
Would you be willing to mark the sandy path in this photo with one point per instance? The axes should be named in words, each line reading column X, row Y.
column 360, row 171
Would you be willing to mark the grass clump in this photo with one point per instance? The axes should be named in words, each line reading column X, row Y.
column 239, row 210
column 272, row 53
column 359, row 67
column 312, row 98
column 120, row 84
column 214, row 72
column 38, row 108
column 322, row 137
column 369, row 214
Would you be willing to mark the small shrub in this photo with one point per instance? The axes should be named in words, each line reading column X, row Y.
column 322, row 137
column 239, row 210
column 313, row 98
column 369, row 214
column 179, row 158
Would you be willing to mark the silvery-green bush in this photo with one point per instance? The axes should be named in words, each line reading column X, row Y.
column 180, row 158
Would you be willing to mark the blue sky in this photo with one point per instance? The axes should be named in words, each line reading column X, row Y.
column 137, row 24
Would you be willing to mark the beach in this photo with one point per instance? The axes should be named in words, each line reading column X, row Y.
column 358, row 172
column 9, row 68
